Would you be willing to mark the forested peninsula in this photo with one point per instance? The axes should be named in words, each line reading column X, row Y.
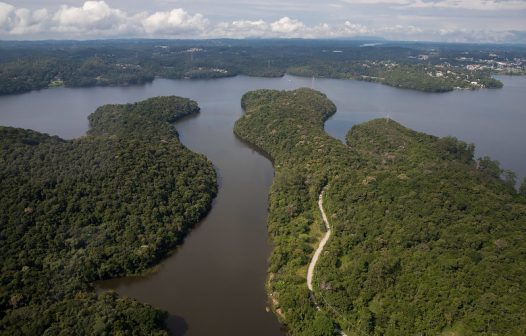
column 111, row 203
column 425, row 238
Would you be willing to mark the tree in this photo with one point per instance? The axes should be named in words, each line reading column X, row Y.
column 510, row 178
column 490, row 167
column 58, row 208
column 522, row 188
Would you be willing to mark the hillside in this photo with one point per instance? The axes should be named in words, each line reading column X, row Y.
column 108, row 204
column 426, row 239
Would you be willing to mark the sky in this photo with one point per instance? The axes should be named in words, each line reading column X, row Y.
column 481, row 21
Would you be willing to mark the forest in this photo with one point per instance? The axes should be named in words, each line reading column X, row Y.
column 26, row 66
column 426, row 239
column 111, row 203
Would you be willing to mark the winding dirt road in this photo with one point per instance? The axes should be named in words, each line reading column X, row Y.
column 312, row 265
column 319, row 250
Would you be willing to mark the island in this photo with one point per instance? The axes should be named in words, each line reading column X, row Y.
column 112, row 203
column 416, row 235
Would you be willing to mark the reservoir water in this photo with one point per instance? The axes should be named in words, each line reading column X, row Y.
column 214, row 283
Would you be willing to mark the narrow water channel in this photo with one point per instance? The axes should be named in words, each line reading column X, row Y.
column 214, row 283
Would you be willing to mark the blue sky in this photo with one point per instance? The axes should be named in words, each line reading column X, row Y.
column 430, row 20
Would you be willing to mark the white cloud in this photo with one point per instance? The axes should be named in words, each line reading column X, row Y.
column 6, row 12
column 30, row 22
column 401, row 29
column 95, row 19
column 284, row 27
column 287, row 26
column 18, row 21
column 355, row 29
column 174, row 22
column 241, row 28
column 93, row 16
column 453, row 4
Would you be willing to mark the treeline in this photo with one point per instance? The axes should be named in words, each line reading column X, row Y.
column 420, row 77
column 35, row 73
column 109, row 204
column 137, row 62
column 426, row 239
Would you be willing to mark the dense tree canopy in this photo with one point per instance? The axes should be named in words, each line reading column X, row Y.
column 426, row 240
column 108, row 204
column 26, row 66
column 427, row 243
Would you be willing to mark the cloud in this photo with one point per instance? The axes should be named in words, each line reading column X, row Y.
column 21, row 20
column 95, row 19
column 377, row 2
column 465, row 35
column 488, row 5
column 93, row 16
column 355, row 29
column 241, row 28
column 287, row 26
column 6, row 15
column 174, row 22
column 452, row 4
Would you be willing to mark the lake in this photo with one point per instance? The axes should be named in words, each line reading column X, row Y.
column 215, row 282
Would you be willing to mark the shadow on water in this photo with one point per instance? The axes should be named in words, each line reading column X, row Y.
column 177, row 325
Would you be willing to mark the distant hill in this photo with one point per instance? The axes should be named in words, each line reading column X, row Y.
column 429, row 67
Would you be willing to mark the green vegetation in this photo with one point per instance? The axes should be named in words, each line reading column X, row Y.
column 109, row 204
column 427, row 78
column 436, row 79
column 432, row 68
column 522, row 188
column 426, row 240
column 288, row 126
column 34, row 73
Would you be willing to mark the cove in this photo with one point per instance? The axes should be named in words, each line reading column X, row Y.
column 214, row 282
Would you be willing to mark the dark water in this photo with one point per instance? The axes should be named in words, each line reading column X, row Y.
column 214, row 283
